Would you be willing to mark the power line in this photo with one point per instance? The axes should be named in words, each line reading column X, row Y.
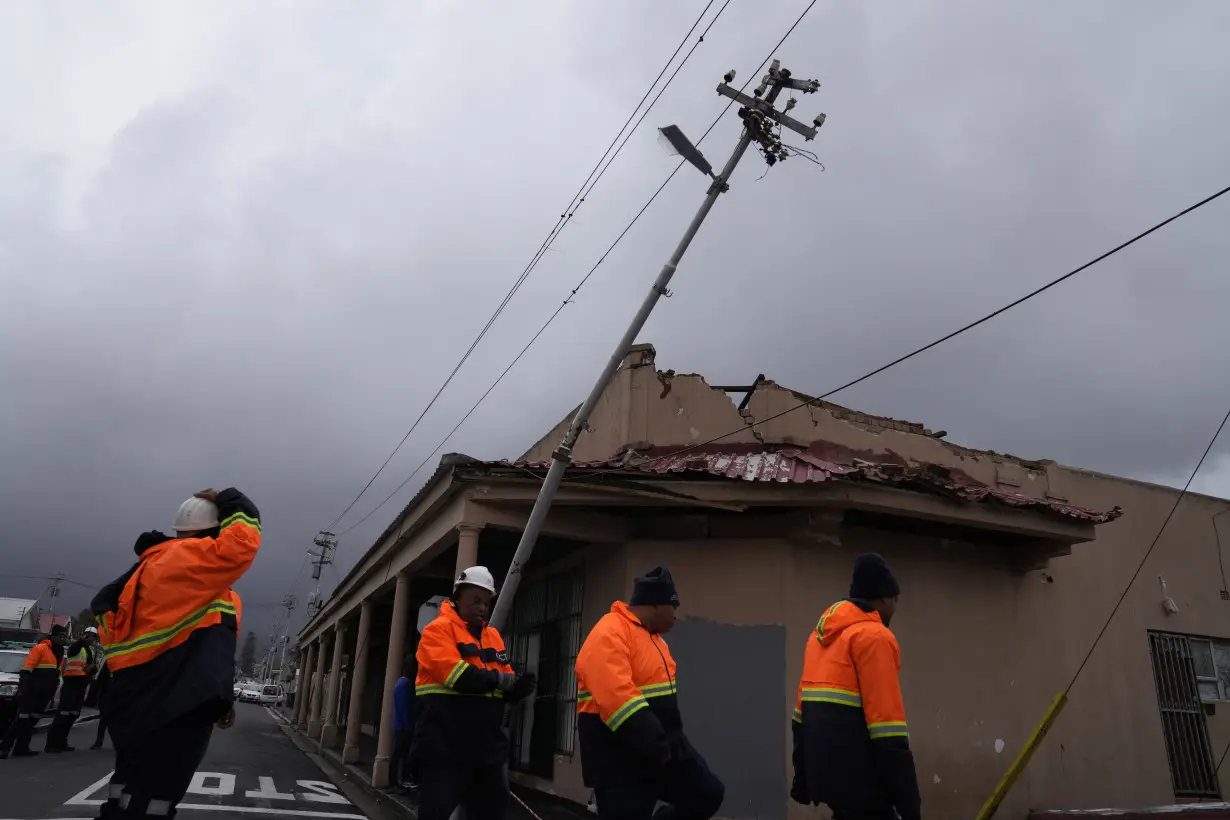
column 916, row 351
column 618, row 239
column 565, row 217
column 1149, row 551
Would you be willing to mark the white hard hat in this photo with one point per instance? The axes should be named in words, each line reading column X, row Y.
column 476, row 577
column 196, row 514
column 91, row 629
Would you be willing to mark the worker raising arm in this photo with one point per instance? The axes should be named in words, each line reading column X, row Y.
column 464, row 681
column 633, row 750
column 851, row 744
column 169, row 628
column 40, row 674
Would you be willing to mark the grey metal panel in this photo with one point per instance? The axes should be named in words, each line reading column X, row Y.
column 732, row 691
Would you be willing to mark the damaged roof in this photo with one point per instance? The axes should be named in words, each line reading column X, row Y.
column 790, row 465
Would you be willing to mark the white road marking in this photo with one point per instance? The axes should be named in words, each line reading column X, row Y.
column 81, row 797
column 268, row 791
column 320, row 791
column 224, row 787
column 261, row 810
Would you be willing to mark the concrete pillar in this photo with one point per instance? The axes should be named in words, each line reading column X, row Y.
column 392, row 671
column 333, row 695
column 313, row 726
column 304, row 694
column 467, row 546
column 358, row 682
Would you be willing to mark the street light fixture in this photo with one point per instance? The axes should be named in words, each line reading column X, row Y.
column 677, row 144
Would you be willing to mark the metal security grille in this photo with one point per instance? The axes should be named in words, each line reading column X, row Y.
column 1192, row 770
column 545, row 637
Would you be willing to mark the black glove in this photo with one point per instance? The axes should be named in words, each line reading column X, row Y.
column 798, row 792
column 524, row 686
column 148, row 539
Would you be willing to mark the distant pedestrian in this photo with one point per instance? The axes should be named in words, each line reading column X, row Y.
column 36, row 686
column 400, row 773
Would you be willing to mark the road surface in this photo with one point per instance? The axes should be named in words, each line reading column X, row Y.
column 253, row 771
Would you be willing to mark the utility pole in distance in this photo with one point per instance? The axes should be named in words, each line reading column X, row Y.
column 760, row 121
column 327, row 542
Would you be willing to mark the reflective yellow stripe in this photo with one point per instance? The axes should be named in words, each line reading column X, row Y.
column 457, row 672
column 824, row 694
column 164, row 635
column 44, row 666
column 825, row 617
column 583, row 696
column 241, row 517
column 797, row 717
column 620, row 715
column 657, row 690
column 440, row 689
column 890, row 728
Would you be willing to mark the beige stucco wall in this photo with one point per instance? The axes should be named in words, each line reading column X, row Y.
column 984, row 650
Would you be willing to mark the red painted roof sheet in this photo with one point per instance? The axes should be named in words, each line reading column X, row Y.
column 795, row 466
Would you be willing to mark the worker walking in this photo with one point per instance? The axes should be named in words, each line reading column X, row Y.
column 464, row 682
column 633, row 749
column 169, row 628
column 851, row 744
column 37, row 682
column 79, row 664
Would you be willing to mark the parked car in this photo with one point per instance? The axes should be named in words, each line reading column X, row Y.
column 250, row 694
column 10, row 668
column 272, row 695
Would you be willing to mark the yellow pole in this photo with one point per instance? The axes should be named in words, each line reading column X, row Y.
column 1022, row 759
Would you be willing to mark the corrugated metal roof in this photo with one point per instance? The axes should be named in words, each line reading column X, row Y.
column 795, row 466
column 15, row 609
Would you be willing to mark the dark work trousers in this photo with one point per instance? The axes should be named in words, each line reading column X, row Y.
column 102, row 727
column 152, row 774
column 399, row 765
column 687, row 787
column 17, row 738
column 482, row 791
column 72, row 696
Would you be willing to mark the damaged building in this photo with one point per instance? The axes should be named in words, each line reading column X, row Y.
column 1008, row 568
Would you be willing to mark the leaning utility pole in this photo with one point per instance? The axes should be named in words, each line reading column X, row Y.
column 327, row 542
column 761, row 122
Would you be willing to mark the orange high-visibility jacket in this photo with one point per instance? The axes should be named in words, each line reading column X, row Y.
column 41, row 671
column 458, row 704
column 169, row 625
column 627, row 710
column 851, row 741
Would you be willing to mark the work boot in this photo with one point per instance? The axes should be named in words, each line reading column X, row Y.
column 25, row 753
column 97, row 746
column 55, row 750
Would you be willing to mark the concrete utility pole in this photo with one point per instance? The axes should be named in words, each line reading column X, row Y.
column 761, row 123
column 327, row 542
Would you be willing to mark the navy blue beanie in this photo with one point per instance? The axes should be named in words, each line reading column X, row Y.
column 873, row 579
column 654, row 588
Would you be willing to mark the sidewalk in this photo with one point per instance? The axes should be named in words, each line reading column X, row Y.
column 527, row 804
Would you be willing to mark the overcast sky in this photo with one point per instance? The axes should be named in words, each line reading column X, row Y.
column 243, row 243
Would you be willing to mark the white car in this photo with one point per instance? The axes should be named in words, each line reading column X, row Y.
column 272, row 695
column 250, row 694
column 10, row 669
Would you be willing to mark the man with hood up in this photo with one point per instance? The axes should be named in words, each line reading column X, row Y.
column 851, row 744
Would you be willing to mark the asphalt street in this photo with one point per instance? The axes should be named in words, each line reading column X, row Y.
column 252, row 770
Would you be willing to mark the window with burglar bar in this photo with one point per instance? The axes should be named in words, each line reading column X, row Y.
column 1211, row 659
column 545, row 636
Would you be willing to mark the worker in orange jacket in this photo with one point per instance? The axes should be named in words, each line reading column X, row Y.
column 633, row 749
column 37, row 682
column 851, row 742
column 78, row 665
column 463, row 684
column 169, row 628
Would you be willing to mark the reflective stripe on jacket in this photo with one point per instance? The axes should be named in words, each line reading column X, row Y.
column 458, row 708
column 851, row 741
column 76, row 660
column 169, row 625
column 628, row 719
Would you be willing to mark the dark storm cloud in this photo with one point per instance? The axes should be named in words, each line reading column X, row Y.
column 274, row 264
